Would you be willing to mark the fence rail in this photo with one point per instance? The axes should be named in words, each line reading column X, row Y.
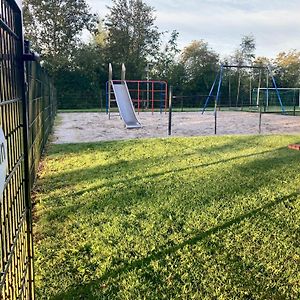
column 26, row 118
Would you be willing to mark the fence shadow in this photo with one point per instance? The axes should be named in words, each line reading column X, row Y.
column 86, row 291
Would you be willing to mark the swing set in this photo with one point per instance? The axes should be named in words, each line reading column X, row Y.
column 215, row 91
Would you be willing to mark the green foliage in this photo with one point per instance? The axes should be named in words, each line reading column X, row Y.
column 200, row 64
column 54, row 28
column 180, row 218
column 287, row 66
column 80, row 85
column 166, row 59
column 245, row 54
column 128, row 34
column 132, row 36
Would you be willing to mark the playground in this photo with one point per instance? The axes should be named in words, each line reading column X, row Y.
column 93, row 127
column 211, row 213
column 180, row 218
column 179, row 179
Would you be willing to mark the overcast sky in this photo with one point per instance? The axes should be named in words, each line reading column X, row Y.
column 274, row 23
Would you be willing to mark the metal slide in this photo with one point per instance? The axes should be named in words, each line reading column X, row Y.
column 125, row 105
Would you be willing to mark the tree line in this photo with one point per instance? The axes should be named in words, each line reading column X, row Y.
column 128, row 34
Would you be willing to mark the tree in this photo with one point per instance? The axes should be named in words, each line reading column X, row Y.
column 166, row 58
column 247, row 48
column 287, row 66
column 99, row 37
column 201, row 65
column 80, row 85
column 245, row 54
column 54, row 28
column 132, row 36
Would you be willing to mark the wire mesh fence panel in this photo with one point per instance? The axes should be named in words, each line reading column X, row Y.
column 15, row 225
column 26, row 118
column 82, row 101
column 42, row 105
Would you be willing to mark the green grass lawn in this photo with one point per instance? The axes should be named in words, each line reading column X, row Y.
column 179, row 218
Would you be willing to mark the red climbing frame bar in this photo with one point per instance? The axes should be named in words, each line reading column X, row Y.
column 157, row 93
column 139, row 106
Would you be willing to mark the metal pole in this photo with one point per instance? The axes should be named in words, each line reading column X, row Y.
column 276, row 88
column 110, row 71
column 259, row 122
column 258, row 89
column 138, row 97
column 123, row 73
column 181, row 104
column 107, row 97
column 27, row 176
column 215, row 113
column 161, row 98
column 267, row 104
column 170, row 110
column 219, row 86
column 229, row 92
column 294, row 102
column 250, row 90
column 147, row 77
column 210, row 93
column 239, row 88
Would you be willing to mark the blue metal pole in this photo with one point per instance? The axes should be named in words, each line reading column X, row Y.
column 277, row 91
column 210, row 94
column 219, row 87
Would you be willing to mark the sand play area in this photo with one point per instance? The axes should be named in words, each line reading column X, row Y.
column 92, row 127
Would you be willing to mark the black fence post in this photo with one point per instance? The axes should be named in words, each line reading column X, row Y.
column 216, row 116
column 170, row 110
column 260, row 119
column 27, row 178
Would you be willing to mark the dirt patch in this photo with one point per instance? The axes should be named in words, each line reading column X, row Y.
column 92, row 127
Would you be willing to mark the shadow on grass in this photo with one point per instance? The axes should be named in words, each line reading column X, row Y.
column 267, row 163
column 263, row 163
column 88, row 174
column 86, row 291
column 60, row 211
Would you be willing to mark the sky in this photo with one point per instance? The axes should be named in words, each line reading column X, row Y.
column 222, row 23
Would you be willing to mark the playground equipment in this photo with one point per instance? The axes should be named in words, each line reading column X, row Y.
column 125, row 105
column 144, row 95
column 219, row 81
column 123, row 99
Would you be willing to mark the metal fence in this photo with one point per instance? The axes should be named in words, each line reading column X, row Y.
column 26, row 117
column 42, row 106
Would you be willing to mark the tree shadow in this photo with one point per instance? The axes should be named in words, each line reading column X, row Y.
column 86, row 291
column 263, row 163
column 62, row 211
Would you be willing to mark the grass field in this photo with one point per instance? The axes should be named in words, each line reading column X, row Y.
column 180, row 218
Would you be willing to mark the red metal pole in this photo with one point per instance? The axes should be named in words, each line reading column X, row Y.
column 138, row 97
